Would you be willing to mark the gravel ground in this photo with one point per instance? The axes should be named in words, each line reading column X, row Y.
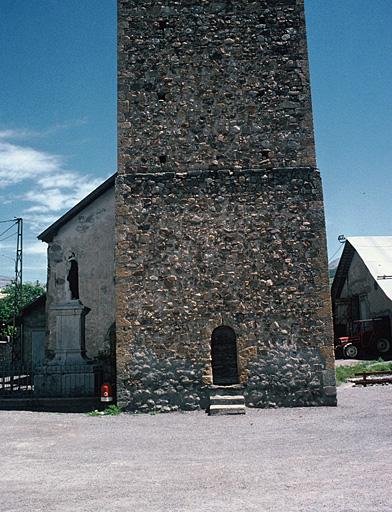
column 353, row 362
column 314, row 459
column 350, row 362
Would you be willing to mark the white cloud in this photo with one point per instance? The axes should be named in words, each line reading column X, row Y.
column 61, row 198
column 64, row 180
column 19, row 163
column 35, row 248
column 6, row 245
column 38, row 222
column 7, row 134
column 51, row 187
column 53, row 129
column 50, row 200
column 66, row 125
column 19, row 134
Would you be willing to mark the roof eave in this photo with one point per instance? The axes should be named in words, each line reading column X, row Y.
column 342, row 269
column 48, row 234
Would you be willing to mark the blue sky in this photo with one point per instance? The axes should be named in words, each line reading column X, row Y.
column 350, row 47
column 58, row 113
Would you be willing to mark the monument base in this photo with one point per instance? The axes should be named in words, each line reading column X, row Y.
column 70, row 373
column 67, row 381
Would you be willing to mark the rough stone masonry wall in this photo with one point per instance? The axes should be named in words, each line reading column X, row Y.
column 206, row 249
column 213, row 84
column 219, row 213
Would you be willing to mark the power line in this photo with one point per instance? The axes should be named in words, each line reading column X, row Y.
column 10, row 227
column 335, row 253
column 9, row 236
column 10, row 220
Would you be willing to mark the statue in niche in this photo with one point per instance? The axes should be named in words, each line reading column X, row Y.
column 73, row 278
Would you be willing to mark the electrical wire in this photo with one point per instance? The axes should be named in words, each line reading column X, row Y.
column 7, row 237
column 10, row 227
column 335, row 253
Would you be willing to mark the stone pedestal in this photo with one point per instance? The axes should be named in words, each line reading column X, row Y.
column 70, row 322
column 70, row 373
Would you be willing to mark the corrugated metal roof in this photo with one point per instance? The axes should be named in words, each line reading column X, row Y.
column 376, row 253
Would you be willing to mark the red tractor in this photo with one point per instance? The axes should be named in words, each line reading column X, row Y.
column 367, row 336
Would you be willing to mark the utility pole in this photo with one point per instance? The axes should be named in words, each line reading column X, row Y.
column 19, row 264
column 18, row 278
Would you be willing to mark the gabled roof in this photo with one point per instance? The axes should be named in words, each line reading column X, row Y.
column 51, row 231
column 39, row 302
column 376, row 254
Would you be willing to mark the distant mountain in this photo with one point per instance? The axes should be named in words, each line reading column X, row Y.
column 332, row 265
column 4, row 281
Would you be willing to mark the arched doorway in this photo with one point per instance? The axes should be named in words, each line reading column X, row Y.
column 224, row 356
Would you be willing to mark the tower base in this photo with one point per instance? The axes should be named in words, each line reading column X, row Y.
column 242, row 249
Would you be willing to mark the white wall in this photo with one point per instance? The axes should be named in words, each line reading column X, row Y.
column 360, row 282
column 89, row 236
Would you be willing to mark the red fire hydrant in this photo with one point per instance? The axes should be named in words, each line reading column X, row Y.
column 106, row 392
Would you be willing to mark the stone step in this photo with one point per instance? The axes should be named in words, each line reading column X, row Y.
column 227, row 400
column 233, row 390
column 221, row 410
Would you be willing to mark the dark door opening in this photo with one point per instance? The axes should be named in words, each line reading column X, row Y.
column 224, row 356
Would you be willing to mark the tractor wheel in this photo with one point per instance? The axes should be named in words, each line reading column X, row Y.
column 383, row 345
column 350, row 351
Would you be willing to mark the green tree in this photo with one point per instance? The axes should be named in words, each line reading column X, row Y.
column 30, row 291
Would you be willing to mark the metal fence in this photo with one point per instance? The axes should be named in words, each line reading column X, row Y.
column 51, row 381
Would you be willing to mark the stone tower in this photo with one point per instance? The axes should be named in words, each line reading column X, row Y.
column 220, row 251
